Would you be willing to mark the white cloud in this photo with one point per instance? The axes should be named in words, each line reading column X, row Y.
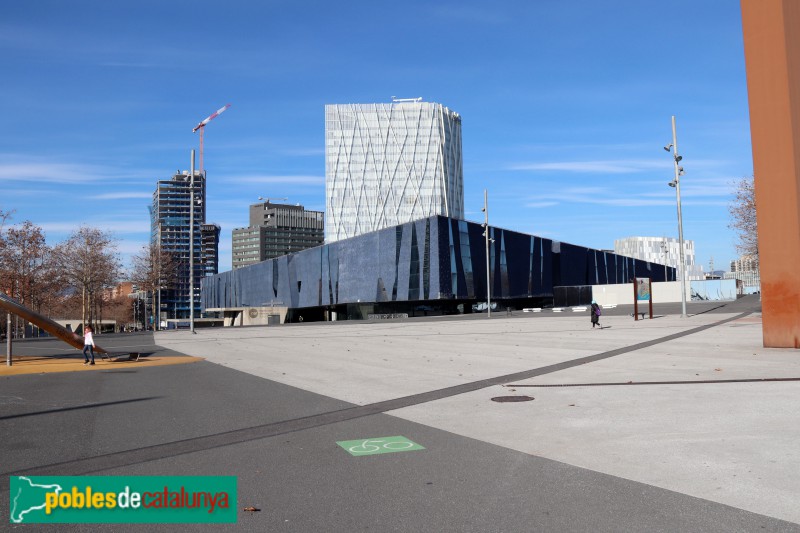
column 121, row 195
column 540, row 204
column 613, row 197
column 296, row 180
column 303, row 152
column 31, row 169
column 114, row 226
column 51, row 173
column 613, row 166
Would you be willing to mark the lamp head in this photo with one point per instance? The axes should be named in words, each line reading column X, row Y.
column 672, row 183
column 668, row 147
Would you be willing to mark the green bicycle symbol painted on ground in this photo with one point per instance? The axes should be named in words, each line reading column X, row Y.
column 374, row 446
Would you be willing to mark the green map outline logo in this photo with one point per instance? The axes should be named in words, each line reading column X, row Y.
column 122, row 499
column 18, row 519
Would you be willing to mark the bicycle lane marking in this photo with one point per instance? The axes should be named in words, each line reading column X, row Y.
column 378, row 445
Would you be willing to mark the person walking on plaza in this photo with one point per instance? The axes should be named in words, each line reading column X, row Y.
column 88, row 344
column 595, row 312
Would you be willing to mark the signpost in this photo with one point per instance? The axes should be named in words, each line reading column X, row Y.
column 642, row 292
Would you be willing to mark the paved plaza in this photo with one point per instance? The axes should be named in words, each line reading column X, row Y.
column 670, row 424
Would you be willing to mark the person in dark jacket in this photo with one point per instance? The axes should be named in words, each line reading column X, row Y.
column 595, row 312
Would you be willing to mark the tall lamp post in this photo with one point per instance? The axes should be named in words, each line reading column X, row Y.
column 191, row 246
column 488, row 266
column 8, row 340
column 676, row 183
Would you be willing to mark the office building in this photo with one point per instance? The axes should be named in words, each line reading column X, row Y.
column 388, row 164
column 663, row 251
column 169, row 227
column 276, row 230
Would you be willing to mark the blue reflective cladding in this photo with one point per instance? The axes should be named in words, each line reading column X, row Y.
column 436, row 258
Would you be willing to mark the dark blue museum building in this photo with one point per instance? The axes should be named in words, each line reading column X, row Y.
column 436, row 264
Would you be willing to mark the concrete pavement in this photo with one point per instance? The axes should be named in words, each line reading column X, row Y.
column 728, row 441
column 590, row 452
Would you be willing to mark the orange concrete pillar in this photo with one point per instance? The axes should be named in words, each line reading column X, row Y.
column 772, row 53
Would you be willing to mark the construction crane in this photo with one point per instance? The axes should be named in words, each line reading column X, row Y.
column 202, row 127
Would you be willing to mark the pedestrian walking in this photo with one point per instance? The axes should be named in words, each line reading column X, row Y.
column 595, row 312
column 88, row 345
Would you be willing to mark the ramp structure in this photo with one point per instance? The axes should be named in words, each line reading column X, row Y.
column 54, row 329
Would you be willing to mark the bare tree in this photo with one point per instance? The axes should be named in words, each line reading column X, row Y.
column 743, row 217
column 154, row 269
column 117, row 304
column 26, row 272
column 4, row 215
column 90, row 264
column 22, row 261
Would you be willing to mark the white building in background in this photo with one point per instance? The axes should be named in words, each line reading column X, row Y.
column 746, row 263
column 746, row 269
column 388, row 164
column 661, row 250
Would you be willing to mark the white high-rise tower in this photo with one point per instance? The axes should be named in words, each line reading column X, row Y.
column 387, row 164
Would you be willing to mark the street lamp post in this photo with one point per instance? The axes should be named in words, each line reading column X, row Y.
column 158, row 278
column 8, row 340
column 677, row 184
column 191, row 246
column 488, row 265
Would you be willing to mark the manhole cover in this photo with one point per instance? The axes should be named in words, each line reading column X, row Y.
column 504, row 399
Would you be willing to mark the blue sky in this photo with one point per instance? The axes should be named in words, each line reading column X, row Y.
column 566, row 105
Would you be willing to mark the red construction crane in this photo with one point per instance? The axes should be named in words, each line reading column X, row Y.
column 202, row 127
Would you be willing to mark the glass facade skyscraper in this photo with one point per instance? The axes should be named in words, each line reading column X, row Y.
column 388, row 164
column 169, row 226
